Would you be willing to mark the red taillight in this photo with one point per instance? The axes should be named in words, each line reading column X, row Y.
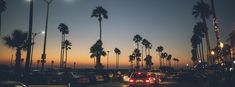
column 154, row 79
column 131, row 80
column 139, row 73
column 147, row 81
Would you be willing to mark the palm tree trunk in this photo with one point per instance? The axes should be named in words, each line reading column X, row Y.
column 61, row 55
column 66, row 52
column 170, row 63
column 0, row 24
column 160, row 59
column 100, row 29
column 18, row 58
column 202, row 51
column 145, row 56
column 116, row 61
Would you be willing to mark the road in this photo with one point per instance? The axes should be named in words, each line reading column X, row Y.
column 120, row 84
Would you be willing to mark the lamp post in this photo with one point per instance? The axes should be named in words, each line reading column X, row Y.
column 29, row 39
column 48, row 2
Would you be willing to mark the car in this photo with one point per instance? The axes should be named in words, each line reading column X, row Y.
column 142, row 79
column 11, row 84
column 126, row 77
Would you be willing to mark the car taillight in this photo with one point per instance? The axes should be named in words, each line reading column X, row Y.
column 154, row 79
column 147, row 81
column 131, row 80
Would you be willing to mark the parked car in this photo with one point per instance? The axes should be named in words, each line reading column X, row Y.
column 11, row 84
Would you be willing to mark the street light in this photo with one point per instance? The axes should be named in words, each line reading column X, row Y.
column 48, row 2
column 33, row 37
column 221, row 45
column 212, row 52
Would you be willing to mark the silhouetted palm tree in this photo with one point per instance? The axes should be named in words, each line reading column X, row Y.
column 203, row 11
column 194, row 55
column 148, row 61
column 137, row 38
column 2, row 9
column 176, row 61
column 97, row 51
column 52, row 63
column 199, row 30
column 17, row 40
column 131, row 59
column 169, row 59
column 118, row 52
column 64, row 30
column 159, row 50
column 38, row 62
column 163, row 56
column 100, row 13
column 67, row 45
column 196, row 40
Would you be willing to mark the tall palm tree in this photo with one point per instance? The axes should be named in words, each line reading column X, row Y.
column 137, row 38
column 67, row 45
column 169, row 59
column 2, row 9
column 163, row 56
column 159, row 50
column 145, row 44
column 118, row 52
column 17, row 40
column 131, row 59
column 63, row 28
column 97, row 51
column 199, row 30
column 100, row 13
column 203, row 11
column 196, row 41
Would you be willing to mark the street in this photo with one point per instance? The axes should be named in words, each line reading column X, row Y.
column 120, row 84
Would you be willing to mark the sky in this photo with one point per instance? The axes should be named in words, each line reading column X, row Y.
column 168, row 23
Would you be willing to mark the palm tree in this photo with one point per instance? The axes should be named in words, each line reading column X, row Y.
column 176, row 61
column 100, row 13
column 194, row 55
column 159, row 50
column 196, row 41
column 118, row 52
column 163, row 56
column 131, row 59
column 38, row 62
column 203, row 11
column 52, row 63
column 2, row 9
column 137, row 38
column 148, row 61
column 67, row 45
column 97, row 51
column 145, row 44
column 64, row 30
column 199, row 30
column 168, row 58
column 17, row 40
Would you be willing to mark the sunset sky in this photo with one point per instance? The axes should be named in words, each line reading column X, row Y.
column 168, row 23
